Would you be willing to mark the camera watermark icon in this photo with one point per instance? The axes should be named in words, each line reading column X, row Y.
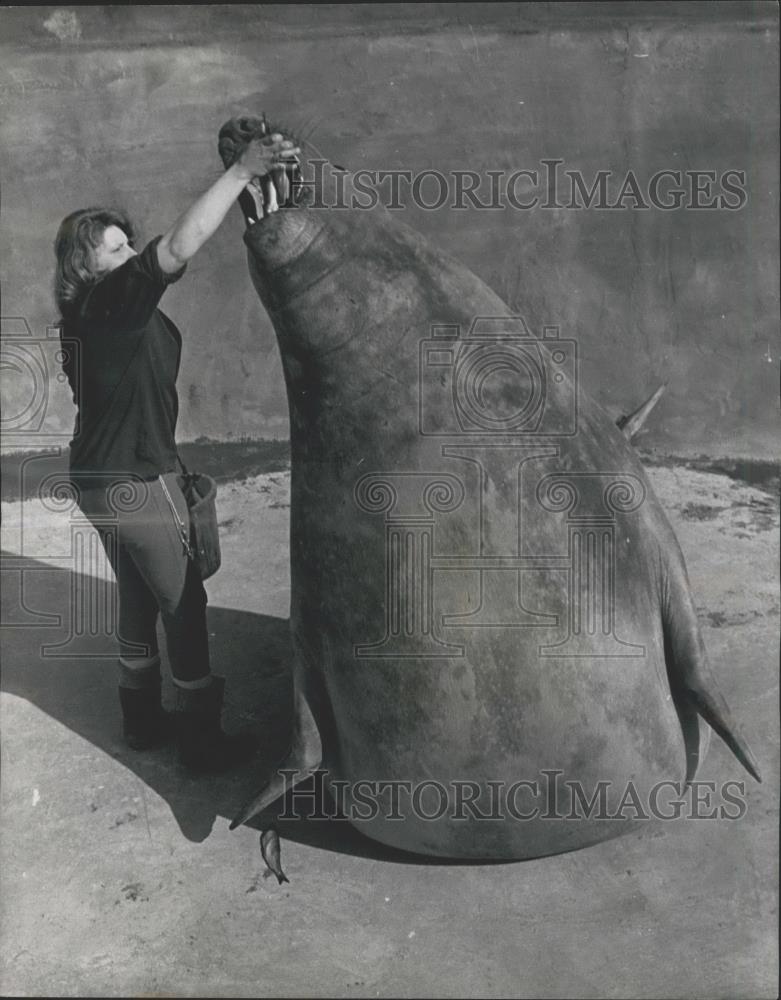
column 498, row 380
column 34, row 371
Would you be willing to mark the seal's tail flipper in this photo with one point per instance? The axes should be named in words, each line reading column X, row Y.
column 710, row 703
column 690, row 673
column 304, row 758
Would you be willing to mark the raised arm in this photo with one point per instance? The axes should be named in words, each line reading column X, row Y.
column 204, row 216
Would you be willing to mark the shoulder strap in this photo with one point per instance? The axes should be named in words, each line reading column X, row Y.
column 186, row 546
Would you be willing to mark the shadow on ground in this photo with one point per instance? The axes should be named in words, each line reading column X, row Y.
column 71, row 677
column 21, row 473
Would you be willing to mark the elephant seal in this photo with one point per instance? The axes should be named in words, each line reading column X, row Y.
column 492, row 624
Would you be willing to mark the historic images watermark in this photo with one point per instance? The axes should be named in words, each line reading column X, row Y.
column 548, row 796
column 549, row 185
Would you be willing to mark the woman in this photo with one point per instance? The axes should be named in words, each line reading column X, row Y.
column 123, row 453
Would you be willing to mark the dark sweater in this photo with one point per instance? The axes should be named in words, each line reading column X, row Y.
column 123, row 375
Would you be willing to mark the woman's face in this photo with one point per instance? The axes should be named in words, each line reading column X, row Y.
column 112, row 251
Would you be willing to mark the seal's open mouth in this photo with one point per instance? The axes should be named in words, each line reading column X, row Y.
column 281, row 188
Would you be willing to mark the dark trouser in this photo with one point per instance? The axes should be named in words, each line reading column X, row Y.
column 138, row 531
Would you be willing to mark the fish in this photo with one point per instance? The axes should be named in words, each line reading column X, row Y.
column 270, row 849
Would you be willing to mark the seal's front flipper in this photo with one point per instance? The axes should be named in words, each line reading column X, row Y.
column 632, row 423
column 687, row 663
column 305, row 757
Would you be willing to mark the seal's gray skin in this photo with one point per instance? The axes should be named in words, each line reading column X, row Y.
column 484, row 587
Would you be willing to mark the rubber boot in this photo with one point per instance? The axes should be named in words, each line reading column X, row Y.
column 145, row 724
column 201, row 744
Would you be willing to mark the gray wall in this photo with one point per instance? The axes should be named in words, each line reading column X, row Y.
column 122, row 105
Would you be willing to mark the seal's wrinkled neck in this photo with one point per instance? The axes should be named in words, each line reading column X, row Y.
column 281, row 238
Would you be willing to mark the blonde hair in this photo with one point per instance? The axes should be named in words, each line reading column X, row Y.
column 80, row 233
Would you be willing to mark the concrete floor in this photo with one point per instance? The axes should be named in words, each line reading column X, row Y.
column 118, row 875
